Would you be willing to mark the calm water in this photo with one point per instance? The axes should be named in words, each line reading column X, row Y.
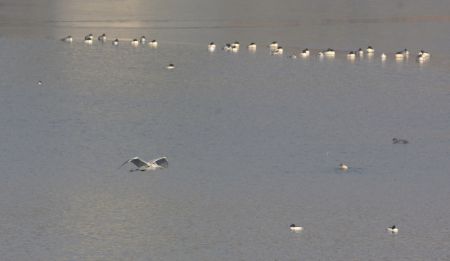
column 253, row 140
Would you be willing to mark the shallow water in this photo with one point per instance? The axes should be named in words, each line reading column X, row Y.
column 253, row 140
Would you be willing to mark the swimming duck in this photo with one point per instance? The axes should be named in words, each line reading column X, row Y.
column 393, row 229
column 211, row 47
column 227, row 47
column 305, row 52
column 273, row 46
column 102, row 38
column 330, row 52
column 351, row 55
column 278, row 51
column 153, row 43
column 135, row 42
column 115, row 42
column 405, row 52
column 170, row 66
column 67, row 39
column 343, row 167
column 360, row 52
column 295, row 228
column 88, row 39
column 424, row 54
column 252, row 47
column 370, row 49
column 399, row 55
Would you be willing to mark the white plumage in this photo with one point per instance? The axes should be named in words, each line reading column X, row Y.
column 159, row 163
column 295, row 228
column 393, row 229
column 343, row 167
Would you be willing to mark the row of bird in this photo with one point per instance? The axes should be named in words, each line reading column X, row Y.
column 274, row 47
column 295, row 228
column 89, row 39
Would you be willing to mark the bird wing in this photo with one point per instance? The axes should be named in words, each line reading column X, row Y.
column 162, row 162
column 136, row 161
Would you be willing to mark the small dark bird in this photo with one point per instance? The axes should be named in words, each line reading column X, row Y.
column 399, row 141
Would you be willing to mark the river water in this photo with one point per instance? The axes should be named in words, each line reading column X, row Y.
column 253, row 140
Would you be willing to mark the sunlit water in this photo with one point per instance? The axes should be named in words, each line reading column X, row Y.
column 253, row 140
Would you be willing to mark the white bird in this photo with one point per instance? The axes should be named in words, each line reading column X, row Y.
column 305, row 53
column 370, row 49
column 67, row 39
column 88, row 39
column 330, row 52
column 159, row 163
column 383, row 57
column 102, row 38
column 135, row 42
column 115, row 42
column 406, row 52
column 424, row 54
column 153, row 43
column 360, row 52
column 393, row 229
column 143, row 39
column 211, row 47
column 273, row 46
column 278, row 51
column 296, row 228
column 227, row 47
column 236, row 45
column 351, row 55
column 399, row 55
column 420, row 58
column 252, row 47
column 343, row 167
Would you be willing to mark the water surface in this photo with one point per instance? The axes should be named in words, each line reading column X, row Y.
column 253, row 140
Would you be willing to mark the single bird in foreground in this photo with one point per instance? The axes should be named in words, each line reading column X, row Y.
column 159, row 163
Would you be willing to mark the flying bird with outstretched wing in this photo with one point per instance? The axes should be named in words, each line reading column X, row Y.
column 159, row 163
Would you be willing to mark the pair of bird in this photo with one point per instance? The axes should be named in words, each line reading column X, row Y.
column 295, row 228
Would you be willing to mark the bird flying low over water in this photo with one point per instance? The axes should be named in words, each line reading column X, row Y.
column 159, row 163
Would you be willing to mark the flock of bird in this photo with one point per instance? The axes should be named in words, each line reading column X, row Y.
column 275, row 49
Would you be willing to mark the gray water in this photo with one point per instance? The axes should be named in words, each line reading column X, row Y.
column 253, row 140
